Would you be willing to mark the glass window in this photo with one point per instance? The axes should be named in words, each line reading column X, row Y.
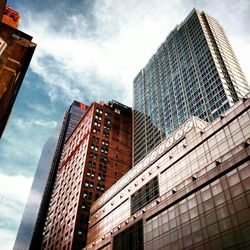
column 130, row 238
column 145, row 195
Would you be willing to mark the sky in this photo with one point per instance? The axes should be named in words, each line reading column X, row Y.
column 88, row 50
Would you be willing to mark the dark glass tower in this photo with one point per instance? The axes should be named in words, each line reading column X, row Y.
column 31, row 227
column 31, row 212
column 193, row 73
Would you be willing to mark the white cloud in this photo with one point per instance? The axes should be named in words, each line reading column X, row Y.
column 7, row 239
column 14, row 188
column 13, row 195
column 124, row 38
column 27, row 123
column 21, row 144
column 115, row 58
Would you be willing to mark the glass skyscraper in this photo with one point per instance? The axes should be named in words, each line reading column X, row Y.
column 193, row 73
column 30, row 231
column 31, row 212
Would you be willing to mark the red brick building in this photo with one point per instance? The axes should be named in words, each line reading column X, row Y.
column 16, row 51
column 96, row 155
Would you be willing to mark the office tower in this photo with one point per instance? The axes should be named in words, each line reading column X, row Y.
column 190, row 192
column 95, row 156
column 193, row 73
column 30, row 231
column 16, row 50
column 74, row 115
column 11, row 17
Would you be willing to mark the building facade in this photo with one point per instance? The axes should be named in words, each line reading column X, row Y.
column 193, row 73
column 2, row 7
column 33, row 204
column 11, row 17
column 190, row 192
column 16, row 51
column 30, row 231
column 95, row 156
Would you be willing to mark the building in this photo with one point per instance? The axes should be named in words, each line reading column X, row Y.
column 190, row 192
column 30, row 231
column 2, row 7
column 16, row 51
column 95, row 156
column 31, row 211
column 193, row 73
column 74, row 115
column 11, row 17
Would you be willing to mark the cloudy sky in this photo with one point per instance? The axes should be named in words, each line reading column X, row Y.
column 88, row 50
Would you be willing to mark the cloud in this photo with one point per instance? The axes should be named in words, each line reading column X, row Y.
column 13, row 194
column 25, row 124
column 9, row 237
column 81, row 58
column 21, row 144
column 13, row 186
column 99, row 60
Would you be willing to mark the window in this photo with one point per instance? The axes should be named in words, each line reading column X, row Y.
column 117, row 111
column 87, row 195
column 144, row 195
column 92, row 164
column 105, row 143
column 100, row 187
column 102, row 168
column 84, row 219
column 130, row 238
column 89, row 184
column 101, row 177
column 104, row 150
column 91, row 174
column 85, row 206
column 106, row 134
column 103, row 159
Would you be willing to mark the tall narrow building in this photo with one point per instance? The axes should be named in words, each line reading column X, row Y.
column 193, row 73
column 30, row 231
column 95, row 156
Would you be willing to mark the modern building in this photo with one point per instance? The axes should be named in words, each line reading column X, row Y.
column 16, row 51
column 190, row 192
column 193, row 73
column 96, row 154
column 30, row 231
column 75, row 113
